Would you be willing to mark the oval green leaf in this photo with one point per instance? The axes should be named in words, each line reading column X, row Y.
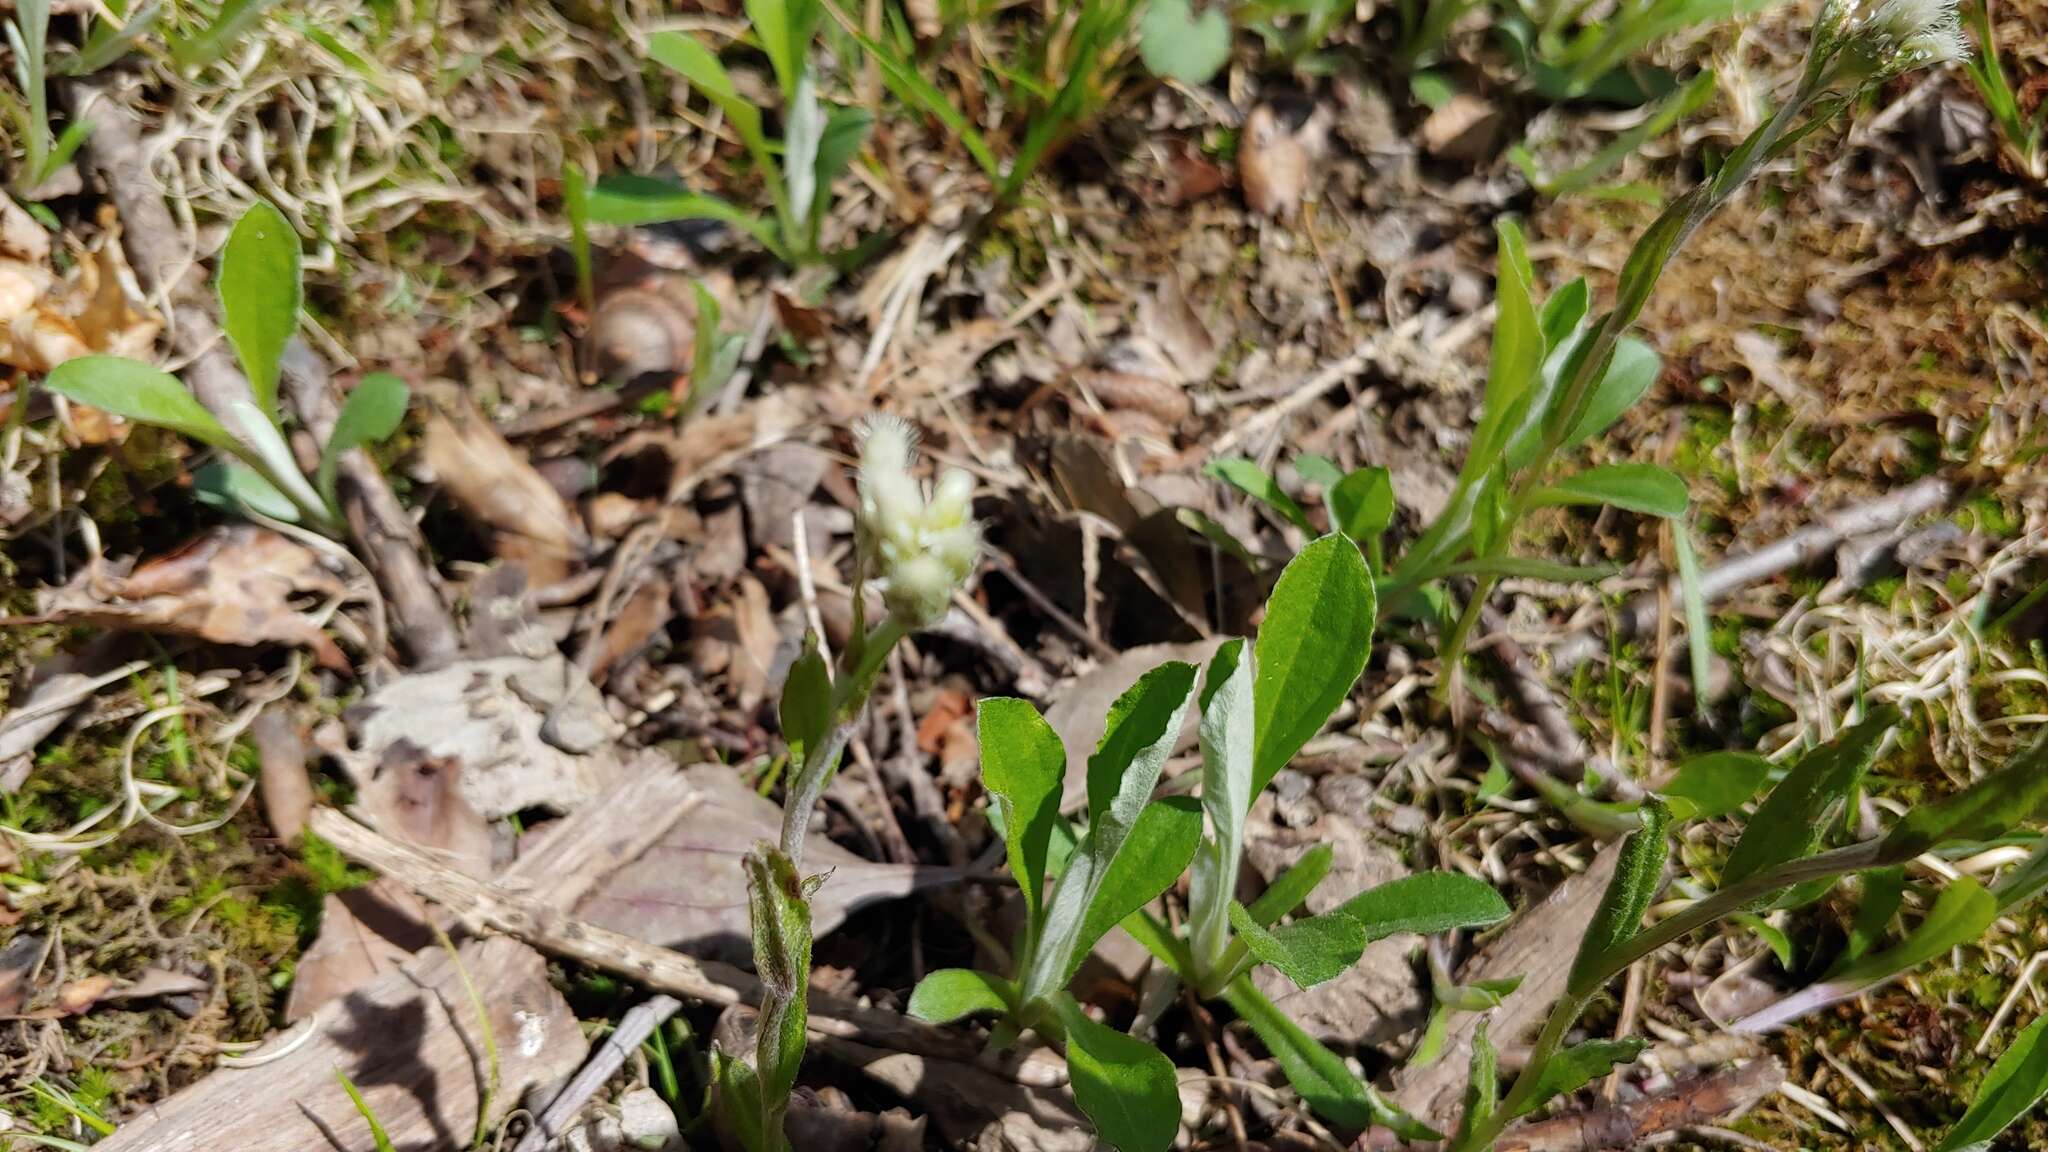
column 1311, row 648
column 1790, row 822
column 260, row 296
column 951, row 994
column 2013, row 1087
column 1125, row 1086
column 1022, row 764
column 1716, row 783
column 135, row 391
column 1425, row 903
column 1645, row 488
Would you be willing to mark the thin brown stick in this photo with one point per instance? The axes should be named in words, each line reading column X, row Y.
column 1685, row 1105
column 548, row 928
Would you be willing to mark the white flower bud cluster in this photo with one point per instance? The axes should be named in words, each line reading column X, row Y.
column 921, row 547
column 1882, row 38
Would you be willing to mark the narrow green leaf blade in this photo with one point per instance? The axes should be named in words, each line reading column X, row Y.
column 805, row 710
column 1226, row 738
column 1517, row 354
column 1531, row 568
column 1127, row 1087
column 2013, row 1088
column 135, row 391
column 1698, row 640
column 1646, row 488
column 1884, row 889
column 1158, row 850
column 1247, row 477
column 1985, row 810
column 260, row 296
column 1425, row 903
column 1629, row 374
column 1714, row 784
column 1579, row 1065
column 1318, row 1074
column 370, row 415
column 627, row 200
column 1960, row 914
column 1286, row 892
column 1311, row 649
column 1637, row 876
column 1022, row 763
column 1140, row 733
column 1308, row 951
column 951, row 994
column 1790, row 822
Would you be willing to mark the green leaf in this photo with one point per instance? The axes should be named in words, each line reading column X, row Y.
column 1482, row 1083
column 1176, row 44
column 785, row 28
column 1311, row 648
column 1645, row 488
column 1425, row 903
column 1362, row 504
column 1562, row 313
column 1308, row 951
column 1579, row 1065
column 1883, row 891
column 1226, row 736
column 904, row 81
column 1318, row 469
column 1790, row 822
column 135, row 391
column 950, row 994
column 627, row 200
column 1022, row 763
column 379, row 1138
column 230, row 25
column 1637, row 876
column 1517, row 355
column 1139, row 734
column 235, row 486
column 1772, row 935
column 1152, row 858
column 1630, row 372
column 846, row 130
column 1698, row 641
column 2013, row 1087
column 738, row 1102
column 1253, row 481
column 260, row 296
column 780, row 911
column 1127, row 1087
column 1714, row 784
column 1960, row 914
column 1322, row 1078
column 1985, row 810
column 805, row 710
column 1286, row 893
column 1142, row 728
column 369, row 416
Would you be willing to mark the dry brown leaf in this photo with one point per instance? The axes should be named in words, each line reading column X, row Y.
column 234, row 585
column 496, row 486
column 943, row 361
column 1465, row 127
column 1272, row 165
column 689, row 892
column 286, row 787
column 46, row 319
column 738, row 638
column 418, row 798
column 364, row 932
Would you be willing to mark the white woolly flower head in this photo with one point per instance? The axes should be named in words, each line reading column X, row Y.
column 1880, row 38
column 920, row 546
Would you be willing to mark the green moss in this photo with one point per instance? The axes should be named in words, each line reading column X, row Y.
column 1988, row 515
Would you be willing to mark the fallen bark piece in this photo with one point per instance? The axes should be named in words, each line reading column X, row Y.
column 411, row 1043
column 1683, row 1105
column 688, row 891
